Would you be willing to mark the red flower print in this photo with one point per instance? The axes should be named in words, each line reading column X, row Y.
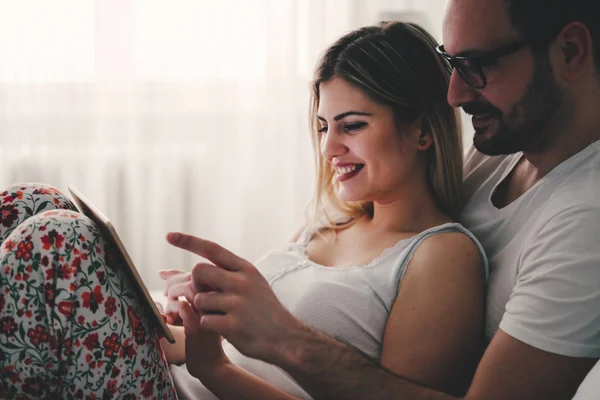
column 42, row 190
column 140, row 334
column 93, row 299
column 33, row 387
column 91, row 341
column 138, row 329
column 112, row 387
column 49, row 293
column 8, row 326
column 148, row 389
column 110, row 306
column 24, row 250
column 67, row 347
column 115, row 372
column 129, row 351
column 64, row 271
column 38, row 335
column 53, row 238
column 76, row 263
column 9, row 245
column 9, row 372
column 9, row 199
column 112, row 345
column 8, row 215
column 65, row 307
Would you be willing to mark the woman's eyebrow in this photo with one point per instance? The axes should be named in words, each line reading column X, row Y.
column 344, row 115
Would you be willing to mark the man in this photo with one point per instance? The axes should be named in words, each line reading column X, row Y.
column 529, row 73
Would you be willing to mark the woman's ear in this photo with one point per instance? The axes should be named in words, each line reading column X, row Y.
column 425, row 137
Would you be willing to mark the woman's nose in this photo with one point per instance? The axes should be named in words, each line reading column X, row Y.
column 332, row 145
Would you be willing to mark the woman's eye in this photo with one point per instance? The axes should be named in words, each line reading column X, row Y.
column 355, row 126
column 322, row 129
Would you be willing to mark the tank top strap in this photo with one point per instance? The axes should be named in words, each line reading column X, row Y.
column 449, row 227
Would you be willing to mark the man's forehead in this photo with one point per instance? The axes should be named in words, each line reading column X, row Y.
column 476, row 25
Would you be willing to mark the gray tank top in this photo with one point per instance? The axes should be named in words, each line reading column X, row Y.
column 351, row 304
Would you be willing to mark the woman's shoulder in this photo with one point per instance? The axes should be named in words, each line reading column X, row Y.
column 452, row 247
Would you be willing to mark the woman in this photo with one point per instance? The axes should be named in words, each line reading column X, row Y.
column 380, row 264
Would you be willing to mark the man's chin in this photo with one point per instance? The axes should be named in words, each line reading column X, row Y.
column 492, row 144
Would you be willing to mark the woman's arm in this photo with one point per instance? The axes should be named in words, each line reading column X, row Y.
column 434, row 332
column 207, row 361
column 229, row 381
column 175, row 352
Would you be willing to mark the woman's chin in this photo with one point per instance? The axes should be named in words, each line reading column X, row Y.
column 349, row 197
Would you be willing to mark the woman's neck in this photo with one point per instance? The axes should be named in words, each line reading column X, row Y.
column 412, row 211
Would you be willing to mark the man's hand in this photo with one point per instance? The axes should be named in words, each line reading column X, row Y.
column 242, row 307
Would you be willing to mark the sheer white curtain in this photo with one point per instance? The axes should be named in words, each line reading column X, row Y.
column 183, row 115
column 169, row 115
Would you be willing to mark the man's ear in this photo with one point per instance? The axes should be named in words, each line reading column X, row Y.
column 573, row 51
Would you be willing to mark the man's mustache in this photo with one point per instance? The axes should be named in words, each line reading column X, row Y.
column 474, row 107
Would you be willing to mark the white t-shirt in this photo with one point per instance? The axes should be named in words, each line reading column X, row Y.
column 543, row 251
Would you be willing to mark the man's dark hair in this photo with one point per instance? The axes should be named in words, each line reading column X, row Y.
column 541, row 20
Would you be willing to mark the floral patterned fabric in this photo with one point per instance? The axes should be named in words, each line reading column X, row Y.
column 70, row 325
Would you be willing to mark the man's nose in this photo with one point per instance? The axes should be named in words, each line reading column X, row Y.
column 459, row 91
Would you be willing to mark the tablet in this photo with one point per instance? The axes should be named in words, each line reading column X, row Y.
column 88, row 209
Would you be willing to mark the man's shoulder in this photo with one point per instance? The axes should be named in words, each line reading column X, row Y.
column 576, row 187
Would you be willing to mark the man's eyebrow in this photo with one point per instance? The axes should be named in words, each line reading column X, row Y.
column 470, row 53
column 344, row 115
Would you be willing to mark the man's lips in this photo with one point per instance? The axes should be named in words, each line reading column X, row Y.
column 482, row 120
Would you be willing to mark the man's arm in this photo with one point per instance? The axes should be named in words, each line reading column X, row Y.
column 509, row 369
column 554, row 307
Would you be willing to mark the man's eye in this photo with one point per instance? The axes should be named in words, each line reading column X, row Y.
column 488, row 64
column 355, row 126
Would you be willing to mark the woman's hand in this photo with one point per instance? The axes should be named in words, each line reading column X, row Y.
column 176, row 284
column 203, row 349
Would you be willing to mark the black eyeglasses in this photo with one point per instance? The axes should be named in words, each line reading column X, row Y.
column 470, row 68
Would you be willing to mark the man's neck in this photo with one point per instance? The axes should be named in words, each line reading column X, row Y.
column 535, row 165
column 583, row 130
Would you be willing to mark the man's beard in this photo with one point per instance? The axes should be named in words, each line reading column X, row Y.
column 532, row 123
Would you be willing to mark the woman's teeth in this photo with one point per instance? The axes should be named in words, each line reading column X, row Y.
column 345, row 170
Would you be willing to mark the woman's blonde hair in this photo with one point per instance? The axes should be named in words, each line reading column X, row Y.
column 396, row 65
